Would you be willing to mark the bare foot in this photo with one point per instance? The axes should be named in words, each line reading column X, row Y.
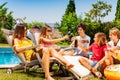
column 97, row 73
column 69, row 66
column 49, row 78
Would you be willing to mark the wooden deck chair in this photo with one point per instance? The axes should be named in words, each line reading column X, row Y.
column 79, row 71
column 22, row 65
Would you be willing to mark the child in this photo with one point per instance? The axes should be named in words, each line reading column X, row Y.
column 47, row 42
column 114, row 45
column 98, row 49
column 82, row 39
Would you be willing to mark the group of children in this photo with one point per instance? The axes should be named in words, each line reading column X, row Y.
column 103, row 52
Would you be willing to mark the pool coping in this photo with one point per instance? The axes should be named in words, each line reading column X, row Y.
column 7, row 65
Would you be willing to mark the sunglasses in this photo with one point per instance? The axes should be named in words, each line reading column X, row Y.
column 49, row 30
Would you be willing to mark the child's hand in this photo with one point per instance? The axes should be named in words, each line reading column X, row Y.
column 66, row 37
column 38, row 48
column 72, row 39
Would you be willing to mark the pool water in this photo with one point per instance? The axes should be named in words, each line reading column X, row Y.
column 7, row 56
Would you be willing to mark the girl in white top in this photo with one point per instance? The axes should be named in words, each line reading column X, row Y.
column 114, row 44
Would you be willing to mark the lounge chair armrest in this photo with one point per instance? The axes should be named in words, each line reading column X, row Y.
column 6, row 31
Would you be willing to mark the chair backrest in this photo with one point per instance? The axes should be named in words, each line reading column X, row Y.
column 36, row 36
column 8, row 35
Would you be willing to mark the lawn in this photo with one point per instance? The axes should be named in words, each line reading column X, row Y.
column 4, row 45
column 31, row 75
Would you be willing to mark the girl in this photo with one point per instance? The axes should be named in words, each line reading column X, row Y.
column 20, row 43
column 114, row 46
column 98, row 49
column 47, row 42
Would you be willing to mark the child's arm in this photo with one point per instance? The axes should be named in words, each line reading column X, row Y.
column 54, row 40
column 101, row 61
column 83, row 48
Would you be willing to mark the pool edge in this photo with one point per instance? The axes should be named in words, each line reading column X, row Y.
column 7, row 66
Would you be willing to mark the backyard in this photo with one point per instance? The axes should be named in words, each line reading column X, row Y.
column 94, row 16
column 31, row 75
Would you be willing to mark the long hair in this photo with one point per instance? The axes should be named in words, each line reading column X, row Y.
column 19, row 31
column 43, row 30
column 101, row 38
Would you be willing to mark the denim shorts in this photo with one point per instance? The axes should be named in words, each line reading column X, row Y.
column 92, row 63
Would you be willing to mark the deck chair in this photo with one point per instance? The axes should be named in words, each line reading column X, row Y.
column 8, row 36
column 79, row 71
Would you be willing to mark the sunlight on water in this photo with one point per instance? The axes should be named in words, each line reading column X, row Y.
column 7, row 56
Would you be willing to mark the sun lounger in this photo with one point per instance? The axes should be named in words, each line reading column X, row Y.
column 78, row 70
column 22, row 65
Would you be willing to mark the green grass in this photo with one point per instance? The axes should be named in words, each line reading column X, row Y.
column 30, row 75
column 4, row 45
column 21, row 75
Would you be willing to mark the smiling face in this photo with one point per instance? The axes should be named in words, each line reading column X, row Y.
column 100, row 38
column 95, row 38
column 48, row 31
column 80, row 31
column 114, row 34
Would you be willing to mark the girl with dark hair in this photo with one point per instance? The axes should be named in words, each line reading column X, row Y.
column 47, row 42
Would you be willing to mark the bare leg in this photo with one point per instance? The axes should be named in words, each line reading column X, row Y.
column 22, row 57
column 60, row 58
column 85, row 63
column 46, row 62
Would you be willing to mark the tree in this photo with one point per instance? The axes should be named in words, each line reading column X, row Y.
column 6, row 20
column 69, row 19
column 99, row 10
column 117, row 14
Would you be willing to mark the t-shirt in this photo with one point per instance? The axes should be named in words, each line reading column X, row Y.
column 86, row 37
column 27, row 53
column 111, row 43
column 98, row 51
column 31, row 36
column 86, row 45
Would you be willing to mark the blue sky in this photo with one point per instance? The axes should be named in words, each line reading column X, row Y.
column 51, row 11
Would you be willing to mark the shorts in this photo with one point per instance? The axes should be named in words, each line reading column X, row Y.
column 92, row 63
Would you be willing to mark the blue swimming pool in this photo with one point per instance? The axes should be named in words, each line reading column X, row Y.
column 7, row 56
